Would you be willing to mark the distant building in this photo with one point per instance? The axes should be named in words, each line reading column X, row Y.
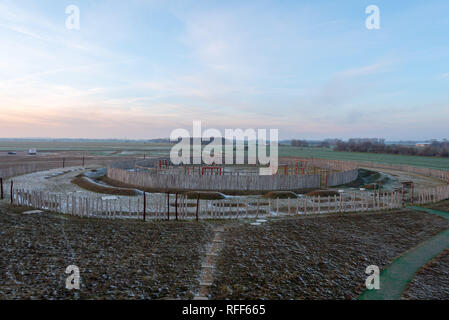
column 423, row 144
column 32, row 151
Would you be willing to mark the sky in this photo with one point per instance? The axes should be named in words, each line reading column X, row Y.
column 138, row 69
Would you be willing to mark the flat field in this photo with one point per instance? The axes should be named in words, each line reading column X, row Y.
column 138, row 148
column 327, row 153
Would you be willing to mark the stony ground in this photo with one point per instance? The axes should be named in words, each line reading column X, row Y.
column 117, row 259
column 315, row 258
column 305, row 257
column 432, row 281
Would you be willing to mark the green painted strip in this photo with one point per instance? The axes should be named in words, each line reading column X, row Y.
column 395, row 278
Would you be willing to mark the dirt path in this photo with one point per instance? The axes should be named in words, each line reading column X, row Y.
column 420, row 181
column 395, row 278
column 208, row 266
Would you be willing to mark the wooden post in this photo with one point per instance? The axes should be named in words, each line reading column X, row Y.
column 403, row 200
column 168, row 206
column 1, row 187
column 319, row 204
column 257, row 212
column 238, row 204
column 176, row 206
column 12, row 184
column 63, row 162
column 197, row 206
column 144, row 206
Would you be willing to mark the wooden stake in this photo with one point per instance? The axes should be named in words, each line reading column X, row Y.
column 176, row 206
column 144, row 205
column 197, row 206
column 12, row 184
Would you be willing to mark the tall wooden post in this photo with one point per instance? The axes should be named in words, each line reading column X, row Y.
column 168, row 205
column 1, row 187
column 144, row 205
column 63, row 162
column 197, row 206
column 83, row 161
column 12, row 184
column 176, row 206
column 403, row 200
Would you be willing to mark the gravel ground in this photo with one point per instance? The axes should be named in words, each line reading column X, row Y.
column 432, row 281
column 315, row 257
column 117, row 259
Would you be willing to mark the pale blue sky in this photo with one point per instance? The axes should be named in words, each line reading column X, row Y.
column 139, row 69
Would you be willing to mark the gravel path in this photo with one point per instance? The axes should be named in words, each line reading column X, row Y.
column 315, row 258
column 117, row 259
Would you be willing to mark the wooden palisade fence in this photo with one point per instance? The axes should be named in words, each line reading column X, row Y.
column 160, row 206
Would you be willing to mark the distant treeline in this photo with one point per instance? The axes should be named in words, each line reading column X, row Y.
column 436, row 148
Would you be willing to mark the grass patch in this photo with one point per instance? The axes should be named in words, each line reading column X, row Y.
column 86, row 184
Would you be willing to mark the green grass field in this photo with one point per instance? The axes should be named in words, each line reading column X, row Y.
column 327, row 153
column 93, row 147
column 105, row 148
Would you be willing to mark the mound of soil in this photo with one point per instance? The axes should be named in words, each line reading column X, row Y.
column 205, row 195
column 86, row 183
column 280, row 195
column 323, row 193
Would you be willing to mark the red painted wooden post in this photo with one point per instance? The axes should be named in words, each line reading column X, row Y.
column 197, row 206
column 12, row 184
column 176, row 206
column 1, row 187
column 144, row 205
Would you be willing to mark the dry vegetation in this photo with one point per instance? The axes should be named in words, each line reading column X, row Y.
column 117, row 259
column 315, row 258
